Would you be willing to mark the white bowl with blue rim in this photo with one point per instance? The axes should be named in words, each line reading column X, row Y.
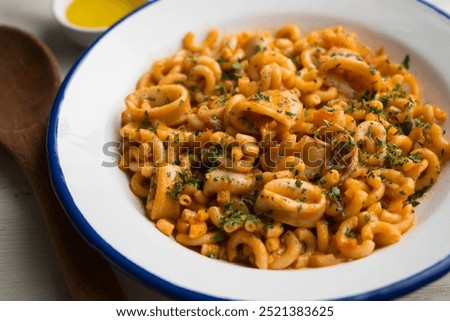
column 85, row 122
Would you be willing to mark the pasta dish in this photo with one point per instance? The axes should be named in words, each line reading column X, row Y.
column 281, row 150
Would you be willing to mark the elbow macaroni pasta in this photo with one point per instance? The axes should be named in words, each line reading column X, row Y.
column 283, row 150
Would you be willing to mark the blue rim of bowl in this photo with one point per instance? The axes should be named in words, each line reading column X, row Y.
column 389, row 292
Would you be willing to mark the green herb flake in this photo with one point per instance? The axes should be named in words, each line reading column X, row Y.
column 226, row 178
column 260, row 96
column 415, row 157
column 189, row 179
column 334, row 194
column 351, row 234
column 216, row 238
column 290, row 114
column 212, row 255
column 176, row 191
column 405, row 62
column 418, row 123
column 248, row 123
column 220, row 88
column 222, row 100
column 236, row 66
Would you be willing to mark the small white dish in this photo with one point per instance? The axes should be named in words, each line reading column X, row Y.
column 86, row 119
column 80, row 35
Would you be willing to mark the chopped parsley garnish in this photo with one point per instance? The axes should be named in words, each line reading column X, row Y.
column 226, row 178
column 260, row 96
column 220, row 88
column 351, row 234
column 415, row 157
column 418, row 123
column 189, row 179
column 334, row 194
column 175, row 192
column 183, row 177
column 405, row 62
column 222, row 100
column 248, row 123
column 237, row 214
column 412, row 199
column 349, row 109
column 217, row 123
column 216, row 238
column 236, row 66
column 146, row 121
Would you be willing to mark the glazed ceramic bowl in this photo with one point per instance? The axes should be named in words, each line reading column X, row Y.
column 79, row 35
column 82, row 36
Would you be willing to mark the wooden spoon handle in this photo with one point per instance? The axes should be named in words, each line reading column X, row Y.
column 29, row 80
column 87, row 274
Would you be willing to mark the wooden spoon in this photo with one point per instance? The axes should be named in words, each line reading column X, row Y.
column 29, row 80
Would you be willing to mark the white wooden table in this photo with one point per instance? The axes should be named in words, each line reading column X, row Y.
column 28, row 268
